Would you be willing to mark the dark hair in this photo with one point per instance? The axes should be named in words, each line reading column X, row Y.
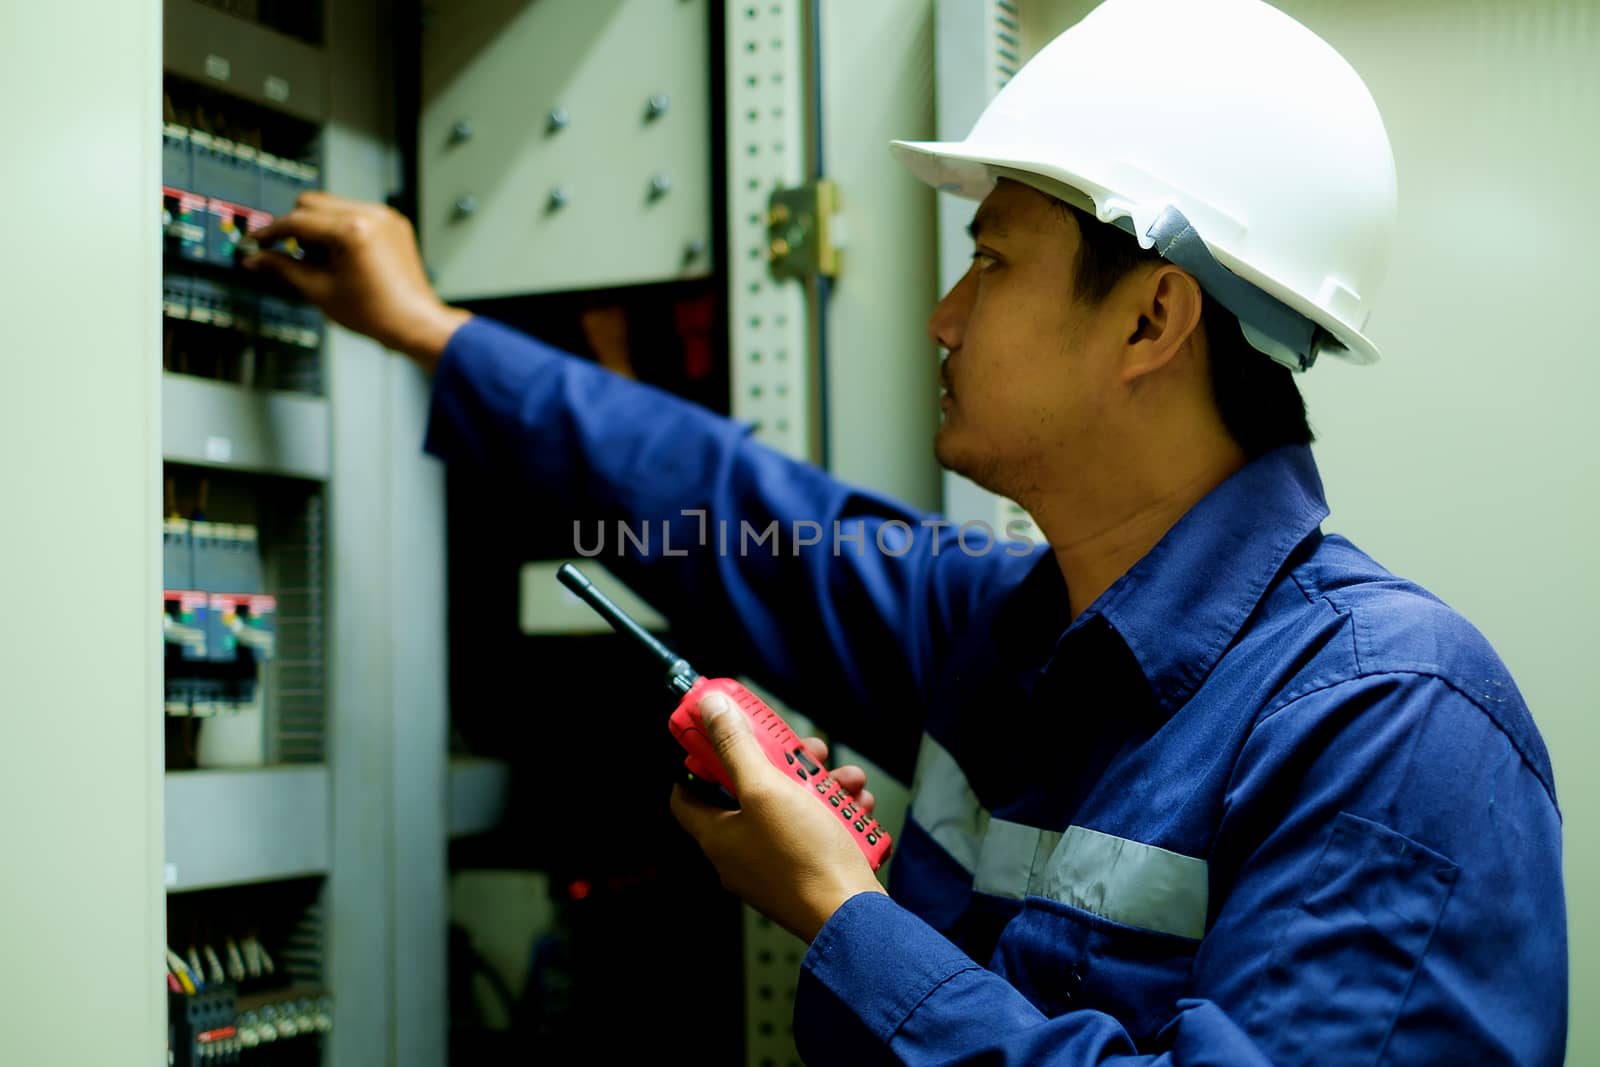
column 1260, row 404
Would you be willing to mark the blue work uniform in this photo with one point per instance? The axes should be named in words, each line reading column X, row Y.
column 1262, row 802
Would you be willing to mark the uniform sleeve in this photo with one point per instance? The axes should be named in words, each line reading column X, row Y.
column 837, row 599
column 1388, row 887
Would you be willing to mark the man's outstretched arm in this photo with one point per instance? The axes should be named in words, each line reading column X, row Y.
column 840, row 600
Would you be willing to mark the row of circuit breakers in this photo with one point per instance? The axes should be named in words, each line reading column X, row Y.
column 214, row 192
column 217, row 622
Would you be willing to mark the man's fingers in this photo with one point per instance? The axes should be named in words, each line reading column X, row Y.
column 692, row 813
column 307, row 279
column 866, row 800
column 317, row 198
column 851, row 777
column 307, row 225
column 730, row 734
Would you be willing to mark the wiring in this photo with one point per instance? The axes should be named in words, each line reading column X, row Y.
column 179, row 969
column 236, row 968
column 213, row 964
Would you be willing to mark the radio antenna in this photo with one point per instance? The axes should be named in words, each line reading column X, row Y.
column 680, row 676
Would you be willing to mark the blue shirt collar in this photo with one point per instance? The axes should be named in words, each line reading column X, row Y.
column 1181, row 606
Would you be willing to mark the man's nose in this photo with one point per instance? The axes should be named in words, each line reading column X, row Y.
column 948, row 323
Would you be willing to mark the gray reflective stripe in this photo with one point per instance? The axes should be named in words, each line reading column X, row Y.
column 1116, row 878
column 945, row 806
column 1128, row 882
column 1013, row 859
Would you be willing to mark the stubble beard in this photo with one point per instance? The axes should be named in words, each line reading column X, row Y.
column 983, row 471
column 1016, row 481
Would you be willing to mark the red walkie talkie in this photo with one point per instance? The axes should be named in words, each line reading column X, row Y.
column 782, row 747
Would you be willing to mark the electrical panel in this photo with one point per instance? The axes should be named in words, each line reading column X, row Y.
column 243, row 601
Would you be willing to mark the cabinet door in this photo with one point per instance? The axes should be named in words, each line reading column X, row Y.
column 565, row 144
column 80, row 563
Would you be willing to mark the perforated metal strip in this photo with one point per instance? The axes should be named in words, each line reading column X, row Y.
column 770, row 347
column 770, row 377
column 766, row 113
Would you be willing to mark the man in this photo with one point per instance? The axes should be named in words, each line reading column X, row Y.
column 1199, row 784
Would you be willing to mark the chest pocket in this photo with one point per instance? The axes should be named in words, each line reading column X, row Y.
column 1106, row 923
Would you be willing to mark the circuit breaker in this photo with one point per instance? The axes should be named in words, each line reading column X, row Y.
column 215, row 190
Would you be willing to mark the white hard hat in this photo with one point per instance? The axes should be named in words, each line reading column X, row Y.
column 1222, row 133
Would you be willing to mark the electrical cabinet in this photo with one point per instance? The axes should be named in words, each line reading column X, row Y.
column 605, row 176
column 565, row 145
column 247, row 470
column 823, row 361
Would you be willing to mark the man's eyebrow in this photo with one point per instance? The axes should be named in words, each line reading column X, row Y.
column 994, row 222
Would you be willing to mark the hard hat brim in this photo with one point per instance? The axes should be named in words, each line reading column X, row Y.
column 970, row 172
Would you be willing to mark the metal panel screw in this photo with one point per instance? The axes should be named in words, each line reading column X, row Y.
column 657, row 106
column 660, row 186
column 558, row 199
column 557, row 120
column 466, row 206
column 693, row 250
column 461, row 132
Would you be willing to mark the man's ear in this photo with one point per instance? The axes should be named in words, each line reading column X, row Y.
column 1166, row 303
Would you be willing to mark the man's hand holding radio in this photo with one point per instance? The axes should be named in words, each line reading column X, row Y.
column 782, row 852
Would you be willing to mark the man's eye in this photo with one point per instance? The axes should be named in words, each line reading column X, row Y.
column 984, row 260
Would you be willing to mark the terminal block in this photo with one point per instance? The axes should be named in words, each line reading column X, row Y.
column 203, row 1028
column 294, row 1020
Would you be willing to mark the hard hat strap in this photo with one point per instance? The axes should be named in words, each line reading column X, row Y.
column 1269, row 324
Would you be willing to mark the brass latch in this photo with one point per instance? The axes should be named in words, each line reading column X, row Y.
column 802, row 231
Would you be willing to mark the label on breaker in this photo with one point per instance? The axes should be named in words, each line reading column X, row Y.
column 219, row 449
column 218, row 67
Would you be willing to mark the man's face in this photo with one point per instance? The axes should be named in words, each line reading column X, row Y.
column 1028, row 366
